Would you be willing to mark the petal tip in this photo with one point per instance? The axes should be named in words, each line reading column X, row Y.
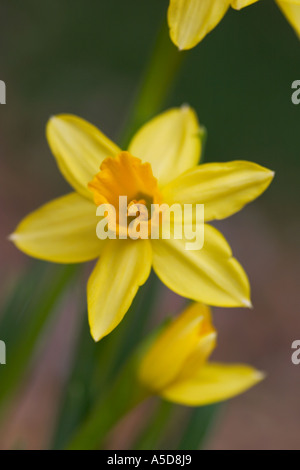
column 184, row 47
column 185, row 107
column 269, row 175
column 247, row 303
column 53, row 118
column 52, row 121
column 259, row 376
column 95, row 334
column 12, row 237
column 212, row 335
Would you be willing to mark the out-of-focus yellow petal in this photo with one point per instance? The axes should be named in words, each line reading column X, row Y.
column 191, row 20
column 239, row 4
column 171, row 142
column 223, row 188
column 291, row 9
column 212, row 383
column 201, row 353
column 79, row 148
column 62, row 231
column 206, row 343
column 123, row 267
column 210, row 275
column 197, row 309
column 170, row 350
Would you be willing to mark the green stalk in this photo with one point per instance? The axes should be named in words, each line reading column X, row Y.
column 95, row 370
column 125, row 394
column 198, row 428
column 155, row 430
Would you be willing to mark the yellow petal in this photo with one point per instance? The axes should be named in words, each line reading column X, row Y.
column 191, row 20
column 197, row 309
column 213, row 383
column 223, row 188
column 124, row 266
column 62, row 231
column 239, row 4
column 209, row 275
column 171, row 142
column 166, row 356
column 291, row 9
column 79, row 148
column 201, row 353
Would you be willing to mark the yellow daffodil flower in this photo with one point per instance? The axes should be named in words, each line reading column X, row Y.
column 191, row 20
column 161, row 165
column 176, row 368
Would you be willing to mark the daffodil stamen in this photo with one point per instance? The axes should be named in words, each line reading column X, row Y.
column 127, row 176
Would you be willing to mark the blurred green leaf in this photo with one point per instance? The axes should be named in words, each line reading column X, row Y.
column 17, row 301
column 96, row 365
column 198, row 427
column 155, row 429
column 157, row 83
column 125, row 393
column 78, row 396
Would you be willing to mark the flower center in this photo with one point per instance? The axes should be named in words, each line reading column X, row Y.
column 127, row 176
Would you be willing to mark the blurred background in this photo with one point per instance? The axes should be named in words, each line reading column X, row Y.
column 87, row 58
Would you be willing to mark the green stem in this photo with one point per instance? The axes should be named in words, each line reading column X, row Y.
column 150, row 439
column 199, row 425
column 94, row 371
column 125, row 394
column 157, row 83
